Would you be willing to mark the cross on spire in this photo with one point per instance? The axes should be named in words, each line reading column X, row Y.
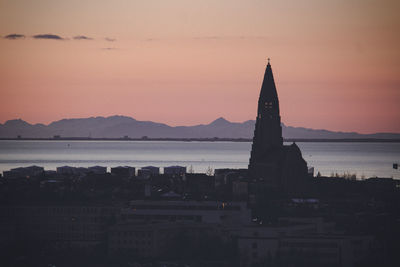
column 269, row 61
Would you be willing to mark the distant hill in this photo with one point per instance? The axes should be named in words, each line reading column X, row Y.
column 120, row 126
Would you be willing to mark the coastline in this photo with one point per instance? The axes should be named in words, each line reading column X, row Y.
column 215, row 139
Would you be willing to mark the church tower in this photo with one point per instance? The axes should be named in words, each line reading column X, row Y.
column 273, row 164
column 268, row 130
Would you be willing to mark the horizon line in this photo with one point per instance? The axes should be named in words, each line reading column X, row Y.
column 191, row 125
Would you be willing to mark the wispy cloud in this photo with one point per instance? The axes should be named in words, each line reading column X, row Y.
column 14, row 36
column 109, row 48
column 82, row 37
column 48, row 36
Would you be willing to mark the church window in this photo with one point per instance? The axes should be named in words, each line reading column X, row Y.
column 268, row 105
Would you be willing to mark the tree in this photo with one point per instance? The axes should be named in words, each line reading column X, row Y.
column 210, row 171
column 190, row 170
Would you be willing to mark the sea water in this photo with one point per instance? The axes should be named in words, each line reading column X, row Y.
column 365, row 159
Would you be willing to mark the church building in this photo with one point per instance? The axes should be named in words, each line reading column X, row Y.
column 274, row 165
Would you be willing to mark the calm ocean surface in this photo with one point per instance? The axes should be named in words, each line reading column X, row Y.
column 364, row 159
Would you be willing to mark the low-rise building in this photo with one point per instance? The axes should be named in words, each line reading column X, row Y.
column 97, row 169
column 123, row 171
column 63, row 226
column 148, row 171
column 175, row 170
column 228, row 213
column 157, row 239
column 24, row 172
column 199, row 183
column 228, row 176
column 72, row 171
column 300, row 241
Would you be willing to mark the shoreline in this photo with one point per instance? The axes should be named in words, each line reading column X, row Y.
column 215, row 139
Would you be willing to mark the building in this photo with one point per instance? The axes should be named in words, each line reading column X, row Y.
column 232, row 213
column 65, row 170
column 97, row 169
column 72, row 171
column 81, row 226
column 240, row 190
column 300, row 242
column 199, row 184
column 174, row 170
column 274, row 165
column 123, row 171
column 148, row 171
column 24, row 172
column 157, row 239
column 228, row 176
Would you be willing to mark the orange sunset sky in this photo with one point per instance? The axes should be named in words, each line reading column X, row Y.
column 336, row 63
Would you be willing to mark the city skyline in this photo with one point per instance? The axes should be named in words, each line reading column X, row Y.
column 188, row 63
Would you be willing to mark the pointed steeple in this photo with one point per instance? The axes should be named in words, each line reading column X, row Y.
column 268, row 130
column 268, row 94
column 273, row 165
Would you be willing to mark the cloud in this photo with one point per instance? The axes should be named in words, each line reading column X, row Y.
column 48, row 36
column 109, row 48
column 110, row 39
column 14, row 36
column 82, row 37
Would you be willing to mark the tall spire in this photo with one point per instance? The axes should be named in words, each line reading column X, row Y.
column 273, row 165
column 268, row 92
column 268, row 130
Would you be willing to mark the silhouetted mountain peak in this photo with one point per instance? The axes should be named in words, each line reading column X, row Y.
column 120, row 117
column 114, row 119
column 119, row 126
column 16, row 123
column 220, row 121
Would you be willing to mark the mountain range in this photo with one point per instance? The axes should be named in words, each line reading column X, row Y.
column 120, row 126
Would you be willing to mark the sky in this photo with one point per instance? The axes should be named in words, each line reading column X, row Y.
column 336, row 63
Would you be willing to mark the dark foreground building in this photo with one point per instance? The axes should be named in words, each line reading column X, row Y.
column 273, row 165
